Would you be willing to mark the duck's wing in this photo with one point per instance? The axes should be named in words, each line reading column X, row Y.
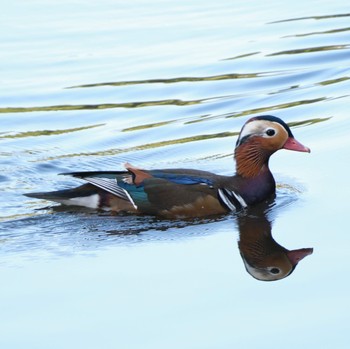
column 151, row 190
column 155, row 190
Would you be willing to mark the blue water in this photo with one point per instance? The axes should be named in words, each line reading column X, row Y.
column 91, row 85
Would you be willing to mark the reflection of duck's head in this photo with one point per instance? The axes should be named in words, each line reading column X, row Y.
column 263, row 257
column 277, row 265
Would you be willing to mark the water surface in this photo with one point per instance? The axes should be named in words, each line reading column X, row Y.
column 89, row 86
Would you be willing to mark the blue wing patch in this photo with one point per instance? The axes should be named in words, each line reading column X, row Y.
column 181, row 179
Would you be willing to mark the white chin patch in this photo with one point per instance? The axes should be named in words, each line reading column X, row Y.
column 91, row 201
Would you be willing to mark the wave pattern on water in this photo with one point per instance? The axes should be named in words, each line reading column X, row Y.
column 182, row 116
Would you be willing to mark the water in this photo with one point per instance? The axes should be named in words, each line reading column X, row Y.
column 88, row 86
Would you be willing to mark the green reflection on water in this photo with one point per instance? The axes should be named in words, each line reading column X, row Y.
column 142, row 127
column 242, row 56
column 334, row 81
column 318, row 33
column 308, row 122
column 179, row 79
column 49, row 132
column 310, row 50
column 262, row 109
column 100, row 106
column 312, row 17
column 279, row 106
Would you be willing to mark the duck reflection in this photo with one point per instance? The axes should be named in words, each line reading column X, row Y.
column 263, row 257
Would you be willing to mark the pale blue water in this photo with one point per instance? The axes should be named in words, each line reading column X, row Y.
column 89, row 86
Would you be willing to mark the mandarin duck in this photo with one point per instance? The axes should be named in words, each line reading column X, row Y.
column 174, row 193
column 264, row 259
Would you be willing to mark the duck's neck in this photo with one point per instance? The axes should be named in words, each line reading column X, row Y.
column 251, row 160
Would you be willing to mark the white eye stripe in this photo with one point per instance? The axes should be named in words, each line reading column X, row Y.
column 249, row 129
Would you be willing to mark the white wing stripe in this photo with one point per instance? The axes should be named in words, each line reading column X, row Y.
column 231, row 200
column 240, row 199
column 226, row 201
column 107, row 185
column 111, row 185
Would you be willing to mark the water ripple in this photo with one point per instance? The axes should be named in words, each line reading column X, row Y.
column 310, row 50
column 340, row 15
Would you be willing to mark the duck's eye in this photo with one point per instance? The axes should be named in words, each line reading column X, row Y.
column 274, row 271
column 270, row 132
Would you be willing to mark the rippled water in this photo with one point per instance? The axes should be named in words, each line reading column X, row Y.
column 89, row 86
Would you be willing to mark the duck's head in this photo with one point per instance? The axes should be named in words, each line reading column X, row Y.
column 259, row 138
column 271, row 132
